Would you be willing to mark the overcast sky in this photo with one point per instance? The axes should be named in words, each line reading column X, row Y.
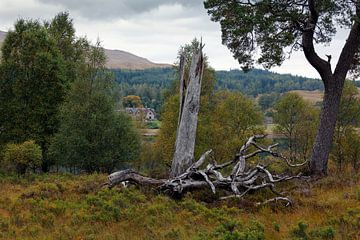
column 153, row 29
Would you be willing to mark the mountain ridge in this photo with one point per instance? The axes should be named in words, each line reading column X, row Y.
column 119, row 59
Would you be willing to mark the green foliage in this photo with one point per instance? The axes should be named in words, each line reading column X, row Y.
column 132, row 101
column 66, row 206
column 23, row 157
column 300, row 231
column 92, row 136
column 267, row 101
column 39, row 61
column 61, row 28
column 276, row 226
column 297, row 121
column 32, row 84
column 152, row 84
column 261, row 31
column 256, row 81
column 153, row 125
column 232, row 230
column 323, row 233
column 149, row 84
column 233, row 119
column 226, row 119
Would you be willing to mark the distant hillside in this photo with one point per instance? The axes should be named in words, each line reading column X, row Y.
column 259, row 81
column 150, row 84
column 125, row 60
column 311, row 96
column 118, row 59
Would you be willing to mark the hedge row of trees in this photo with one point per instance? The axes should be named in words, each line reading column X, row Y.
column 56, row 93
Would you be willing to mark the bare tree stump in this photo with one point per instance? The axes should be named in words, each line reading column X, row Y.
column 187, row 175
column 188, row 113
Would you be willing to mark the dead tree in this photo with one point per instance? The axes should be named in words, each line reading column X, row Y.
column 187, row 175
column 188, row 113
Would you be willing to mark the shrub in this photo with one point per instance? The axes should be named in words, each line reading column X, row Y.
column 22, row 157
column 323, row 233
column 299, row 232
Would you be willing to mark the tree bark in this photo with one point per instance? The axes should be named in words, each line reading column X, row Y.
column 324, row 137
column 188, row 118
column 333, row 83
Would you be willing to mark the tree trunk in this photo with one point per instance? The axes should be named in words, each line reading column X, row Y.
column 188, row 118
column 324, row 137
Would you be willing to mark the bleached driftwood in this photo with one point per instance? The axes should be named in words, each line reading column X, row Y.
column 239, row 182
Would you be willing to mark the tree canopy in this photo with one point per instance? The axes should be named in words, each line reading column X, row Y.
column 263, row 31
column 92, row 136
column 32, row 84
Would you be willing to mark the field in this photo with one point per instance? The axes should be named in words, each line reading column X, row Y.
column 311, row 96
column 59, row 206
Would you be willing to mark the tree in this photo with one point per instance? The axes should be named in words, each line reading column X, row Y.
column 267, row 101
column 297, row 121
column 132, row 101
column 92, row 136
column 186, row 174
column 348, row 120
column 274, row 26
column 233, row 120
column 22, row 157
column 73, row 49
column 32, row 85
column 170, row 114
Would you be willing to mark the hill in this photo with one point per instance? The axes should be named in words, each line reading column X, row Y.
column 149, row 84
column 125, row 60
column 121, row 59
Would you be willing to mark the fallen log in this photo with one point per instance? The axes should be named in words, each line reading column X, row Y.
column 241, row 180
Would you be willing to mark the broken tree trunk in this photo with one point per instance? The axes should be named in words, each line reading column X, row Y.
column 188, row 113
column 187, row 175
column 241, row 180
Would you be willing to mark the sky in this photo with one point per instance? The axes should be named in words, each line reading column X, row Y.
column 154, row 29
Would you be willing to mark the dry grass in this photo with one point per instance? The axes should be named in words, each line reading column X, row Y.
column 312, row 96
column 75, row 207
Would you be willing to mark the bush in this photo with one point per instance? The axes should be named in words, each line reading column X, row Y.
column 299, row 232
column 22, row 157
column 323, row 233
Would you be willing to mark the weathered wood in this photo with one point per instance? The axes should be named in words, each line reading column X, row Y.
column 188, row 118
column 241, row 180
column 187, row 175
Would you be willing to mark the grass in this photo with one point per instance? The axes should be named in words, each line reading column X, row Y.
column 58, row 206
column 311, row 96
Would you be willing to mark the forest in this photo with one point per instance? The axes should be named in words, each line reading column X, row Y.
column 236, row 155
column 151, row 84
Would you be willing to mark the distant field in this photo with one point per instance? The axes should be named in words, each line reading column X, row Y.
column 311, row 96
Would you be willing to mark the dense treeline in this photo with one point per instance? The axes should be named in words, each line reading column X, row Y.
column 57, row 102
column 150, row 84
column 259, row 81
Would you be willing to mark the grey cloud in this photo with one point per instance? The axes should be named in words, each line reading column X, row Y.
column 112, row 9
